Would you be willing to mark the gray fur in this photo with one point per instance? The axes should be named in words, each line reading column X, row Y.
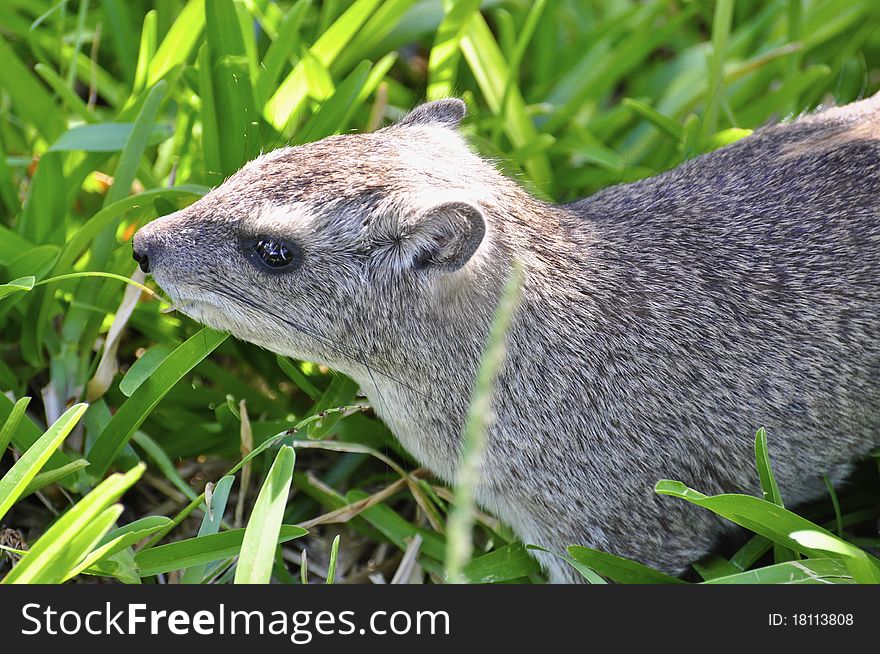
column 661, row 323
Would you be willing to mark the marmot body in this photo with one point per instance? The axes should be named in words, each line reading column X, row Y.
column 661, row 322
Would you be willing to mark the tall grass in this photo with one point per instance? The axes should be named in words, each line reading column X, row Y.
column 116, row 112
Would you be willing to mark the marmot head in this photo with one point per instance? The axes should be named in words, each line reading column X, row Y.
column 340, row 251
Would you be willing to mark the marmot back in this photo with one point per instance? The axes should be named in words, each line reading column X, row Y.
column 661, row 322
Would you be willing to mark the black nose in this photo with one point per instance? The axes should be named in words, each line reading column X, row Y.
column 139, row 254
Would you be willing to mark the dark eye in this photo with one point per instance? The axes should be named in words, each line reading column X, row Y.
column 277, row 253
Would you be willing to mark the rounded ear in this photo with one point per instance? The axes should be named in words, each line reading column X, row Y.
column 445, row 113
column 446, row 236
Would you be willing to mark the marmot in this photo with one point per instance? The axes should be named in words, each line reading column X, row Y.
column 660, row 324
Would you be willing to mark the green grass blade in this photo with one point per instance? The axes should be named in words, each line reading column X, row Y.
column 11, row 245
column 71, row 100
column 37, row 260
column 178, row 43
column 120, row 29
column 201, row 550
column 334, row 556
column 261, row 535
column 750, row 553
column 619, row 569
column 136, row 408
column 721, row 24
column 28, row 96
column 334, row 114
column 79, row 544
column 724, row 137
column 585, row 571
column 304, row 568
column 146, row 52
column 298, row 377
column 811, row 571
column 94, row 273
column 290, row 95
column 27, row 433
column 374, row 79
column 507, row 563
column 14, row 482
column 135, row 144
column 12, row 422
column 119, row 539
column 22, row 284
column 143, row 368
column 491, row 72
column 210, row 126
column 609, row 65
column 224, row 30
column 165, row 465
column 835, row 502
column 53, row 556
column 80, row 323
column 371, row 39
column 78, row 41
column 43, row 203
column 9, row 197
column 665, row 124
column 88, row 71
column 514, row 61
column 49, row 477
column 105, row 137
column 769, row 487
column 779, row 525
column 459, row 545
column 714, row 566
column 283, row 48
column 213, row 518
column 865, row 569
column 445, row 53
column 232, row 72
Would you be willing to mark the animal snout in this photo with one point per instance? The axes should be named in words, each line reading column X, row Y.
column 143, row 249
